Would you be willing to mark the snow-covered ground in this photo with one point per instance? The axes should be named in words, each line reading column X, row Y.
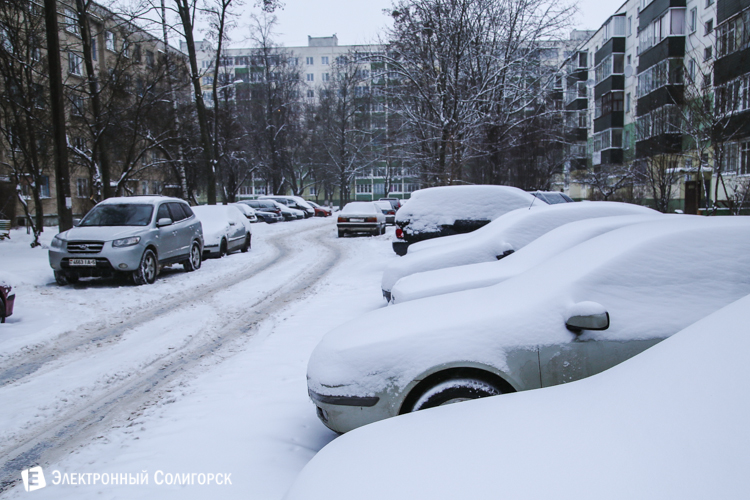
column 201, row 372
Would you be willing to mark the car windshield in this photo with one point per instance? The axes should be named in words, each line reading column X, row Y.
column 119, row 215
column 359, row 208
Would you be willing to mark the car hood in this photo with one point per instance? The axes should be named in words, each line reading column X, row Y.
column 101, row 233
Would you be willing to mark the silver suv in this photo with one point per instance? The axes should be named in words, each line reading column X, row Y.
column 135, row 236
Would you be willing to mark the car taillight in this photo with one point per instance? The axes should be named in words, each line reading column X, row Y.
column 391, row 212
column 371, row 219
column 342, row 219
column 399, row 233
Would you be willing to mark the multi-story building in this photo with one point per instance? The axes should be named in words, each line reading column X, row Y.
column 127, row 69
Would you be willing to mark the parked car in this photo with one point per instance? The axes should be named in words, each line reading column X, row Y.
column 672, row 420
column 396, row 203
column 575, row 315
column 294, row 202
column 320, row 211
column 288, row 212
column 225, row 229
column 448, row 210
column 552, row 197
column 502, row 237
column 266, row 210
column 361, row 217
column 247, row 211
column 483, row 274
column 7, row 300
column 135, row 235
column 388, row 211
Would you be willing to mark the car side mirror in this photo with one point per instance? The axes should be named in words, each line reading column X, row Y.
column 165, row 221
column 587, row 316
column 232, row 223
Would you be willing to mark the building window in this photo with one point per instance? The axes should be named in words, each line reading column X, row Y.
column 613, row 64
column 309, row 60
column 76, row 104
column 79, row 143
column 44, row 186
column 733, row 35
column 71, row 22
column 627, row 102
column 666, row 72
column 691, row 69
column 149, row 59
column 709, row 3
column 326, row 77
column 126, row 49
column 745, row 158
column 672, row 23
column 582, row 60
column 75, row 64
column 93, row 48
column 293, row 61
column 311, row 93
column 208, row 80
column 82, row 187
column 109, row 40
column 310, row 77
column 707, row 53
column 364, row 188
column 313, row 191
column 709, row 27
column 630, row 25
column 693, row 22
column 324, row 60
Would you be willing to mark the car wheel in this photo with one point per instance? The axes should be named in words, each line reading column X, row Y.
column 2, row 308
column 146, row 272
column 246, row 246
column 454, row 391
column 61, row 278
column 341, row 233
column 382, row 229
column 194, row 259
column 223, row 248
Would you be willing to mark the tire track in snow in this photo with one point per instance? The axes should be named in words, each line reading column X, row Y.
column 29, row 361
column 52, row 440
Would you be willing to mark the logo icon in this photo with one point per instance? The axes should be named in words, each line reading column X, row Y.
column 33, row 478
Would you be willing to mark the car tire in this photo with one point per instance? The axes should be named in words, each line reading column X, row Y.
column 341, row 233
column 195, row 258
column 147, row 269
column 454, row 391
column 223, row 248
column 2, row 308
column 246, row 246
column 382, row 230
column 62, row 278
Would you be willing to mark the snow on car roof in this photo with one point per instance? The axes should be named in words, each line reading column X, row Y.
column 214, row 218
column 509, row 232
column 127, row 200
column 453, row 279
column 668, row 423
column 652, row 278
column 430, row 208
column 360, row 207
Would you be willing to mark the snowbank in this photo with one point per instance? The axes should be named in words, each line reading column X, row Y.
column 669, row 423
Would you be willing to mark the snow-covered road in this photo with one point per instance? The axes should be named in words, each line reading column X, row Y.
column 201, row 372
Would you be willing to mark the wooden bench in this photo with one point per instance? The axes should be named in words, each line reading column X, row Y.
column 4, row 229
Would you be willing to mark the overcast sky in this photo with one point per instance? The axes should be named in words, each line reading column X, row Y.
column 360, row 21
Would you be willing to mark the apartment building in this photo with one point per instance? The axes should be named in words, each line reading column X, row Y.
column 127, row 69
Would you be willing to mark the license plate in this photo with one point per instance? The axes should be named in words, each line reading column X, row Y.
column 356, row 220
column 83, row 262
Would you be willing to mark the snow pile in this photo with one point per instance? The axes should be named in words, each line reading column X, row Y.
column 215, row 220
column 669, row 423
column 653, row 278
column 508, row 233
column 429, row 209
column 455, row 279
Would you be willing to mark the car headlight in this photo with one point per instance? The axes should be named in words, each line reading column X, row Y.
column 56, row 242
column 126, row 242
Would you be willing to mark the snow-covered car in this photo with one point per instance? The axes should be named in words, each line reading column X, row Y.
column 294, row 202
column 247, row 211
column 360, row 217
column 456, row 279
column 388, row 211
column 668, row 423
column 288, row 212
column 320, row 210
column 447, row 210
column 502, row 237
column 135, row 236
column 552, row 197
column 265, row 210
column 225, row 229
column 575, row 315
column 7, row 300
